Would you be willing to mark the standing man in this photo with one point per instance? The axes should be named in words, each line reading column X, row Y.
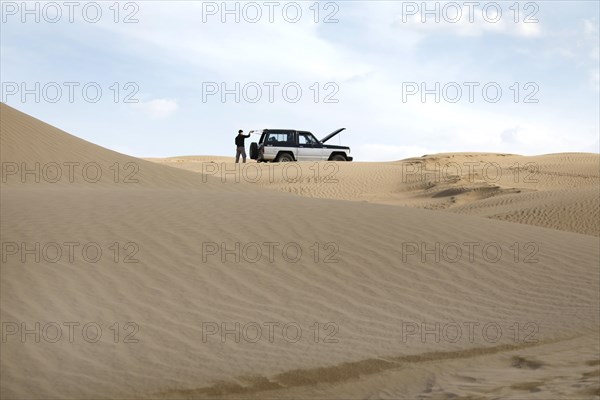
column 241, row 147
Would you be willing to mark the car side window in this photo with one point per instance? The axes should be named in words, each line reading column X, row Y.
column 305, row 138
column 279, row 138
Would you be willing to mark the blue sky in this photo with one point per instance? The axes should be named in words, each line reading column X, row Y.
column 370, row 60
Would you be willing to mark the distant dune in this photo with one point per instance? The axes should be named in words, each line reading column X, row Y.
column 418, row 287
column 560, row 191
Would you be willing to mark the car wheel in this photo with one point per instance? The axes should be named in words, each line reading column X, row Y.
column 338, row 157
column 284, row 157
column 254, row 151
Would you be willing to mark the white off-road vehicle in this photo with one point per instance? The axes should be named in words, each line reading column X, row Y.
column 284, row 145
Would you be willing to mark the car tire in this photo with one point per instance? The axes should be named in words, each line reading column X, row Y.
column 284, row 157
column 338, row 157
column 254, row 151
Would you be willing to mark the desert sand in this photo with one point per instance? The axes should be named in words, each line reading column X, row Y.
column 384, row 289
column 557, row 191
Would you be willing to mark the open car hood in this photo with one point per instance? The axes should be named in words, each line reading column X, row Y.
column 332, row 134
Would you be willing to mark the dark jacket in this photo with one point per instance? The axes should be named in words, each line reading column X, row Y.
column 239, row 140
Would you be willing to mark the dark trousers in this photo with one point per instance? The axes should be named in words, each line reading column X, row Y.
column 240, row 150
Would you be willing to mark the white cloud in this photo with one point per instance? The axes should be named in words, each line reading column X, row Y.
column 469, row 25
column 590, row 26
column 529, row 29
column 249, row 51
column 591, row 30
column 158, row 108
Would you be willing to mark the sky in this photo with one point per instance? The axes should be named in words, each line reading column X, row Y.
column 172, row 78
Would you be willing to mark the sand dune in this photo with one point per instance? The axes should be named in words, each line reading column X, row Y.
column 358, row 306
column 35, row 153
column 559, row 191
